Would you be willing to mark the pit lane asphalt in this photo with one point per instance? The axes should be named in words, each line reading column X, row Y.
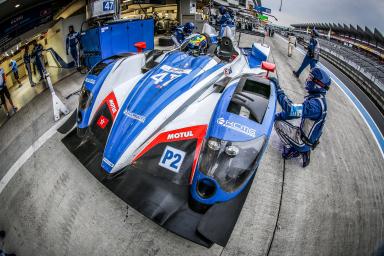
column 54, row 206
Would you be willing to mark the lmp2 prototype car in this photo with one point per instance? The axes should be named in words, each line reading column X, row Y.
column 177, row 136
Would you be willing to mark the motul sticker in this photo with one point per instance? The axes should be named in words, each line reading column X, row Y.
column 112, row 104
column 102, row 122
column 180, row 135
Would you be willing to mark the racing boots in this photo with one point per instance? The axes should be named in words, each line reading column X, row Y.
column 289, row 153
column 306, row 158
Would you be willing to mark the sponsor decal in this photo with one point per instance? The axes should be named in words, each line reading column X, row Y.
column 102, row 122
column 194, row 132
column 109, row 163
column 172, row 159
column 175, row 70
column 135, row 116
column 237, row 127
column 90, row 80
column 227, row 71
column 112, row 104
column 180, row 135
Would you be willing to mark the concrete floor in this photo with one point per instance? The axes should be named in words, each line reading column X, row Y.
column 54, row 206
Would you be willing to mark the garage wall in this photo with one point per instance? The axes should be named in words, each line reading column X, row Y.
column 55, row 38
column 57, row 35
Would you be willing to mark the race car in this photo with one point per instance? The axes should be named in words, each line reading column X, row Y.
column 178, row 136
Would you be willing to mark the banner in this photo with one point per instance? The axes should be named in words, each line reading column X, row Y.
column 19, row 24
column 263, row 9
column 262, row 17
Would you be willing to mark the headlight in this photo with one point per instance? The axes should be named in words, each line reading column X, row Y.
column 85, row 98
column 230, row 163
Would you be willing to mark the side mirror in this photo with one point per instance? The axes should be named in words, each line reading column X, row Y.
column 140, row 46
column 269, row 67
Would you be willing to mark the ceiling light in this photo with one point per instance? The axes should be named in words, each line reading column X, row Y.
column 17, row 6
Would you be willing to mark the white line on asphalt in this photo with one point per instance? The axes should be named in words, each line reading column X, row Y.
column 29, row 152
column 373, row 128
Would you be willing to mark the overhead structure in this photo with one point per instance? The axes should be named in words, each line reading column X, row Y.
column 366, row 35
column 15, row 21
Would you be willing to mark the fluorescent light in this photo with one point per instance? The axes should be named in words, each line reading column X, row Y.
column 17, row 6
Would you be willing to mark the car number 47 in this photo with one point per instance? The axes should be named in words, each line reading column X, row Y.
column 165, row 76
column 172, row 159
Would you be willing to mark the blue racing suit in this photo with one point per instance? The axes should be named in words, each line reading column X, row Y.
column 225, row 21
column 313, row 112
column 179, row 34
column 14, row 66
column 312, row 56
column 27, row 63
column 37, row 53
column 15, row 71
column 72, row 41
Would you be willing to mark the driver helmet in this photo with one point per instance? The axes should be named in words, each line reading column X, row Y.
column 188, row 28
column 318, row 81
column 197, row 44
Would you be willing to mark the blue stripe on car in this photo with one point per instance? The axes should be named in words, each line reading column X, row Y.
column 147, row 100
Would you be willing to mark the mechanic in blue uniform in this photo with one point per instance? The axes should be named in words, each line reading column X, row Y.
column 226, row 18
column 4, row 93
column 313, row 111
column 15, row 71
column 27, row 63
column 313, row 54
column 184, row 31
column 37, row 54
column 73, row 39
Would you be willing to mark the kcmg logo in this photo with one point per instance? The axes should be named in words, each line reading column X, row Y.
column 221, row 121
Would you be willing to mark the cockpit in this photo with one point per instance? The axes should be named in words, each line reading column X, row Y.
column 201, row 44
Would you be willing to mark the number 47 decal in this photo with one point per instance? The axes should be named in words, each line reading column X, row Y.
column 165, row 76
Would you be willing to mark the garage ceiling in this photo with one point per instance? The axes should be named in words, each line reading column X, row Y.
column 8, row 9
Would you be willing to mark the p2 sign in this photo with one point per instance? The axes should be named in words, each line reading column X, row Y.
column 108, row 6
column 172, row 159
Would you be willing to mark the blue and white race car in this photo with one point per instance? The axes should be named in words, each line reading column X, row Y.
column 179, row 137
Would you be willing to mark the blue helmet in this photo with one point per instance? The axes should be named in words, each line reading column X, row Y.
column 188, row 28
column 222, row 10
column 318, row 81
column 315, row 32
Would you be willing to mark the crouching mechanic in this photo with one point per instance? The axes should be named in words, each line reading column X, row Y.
column 300, row 140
